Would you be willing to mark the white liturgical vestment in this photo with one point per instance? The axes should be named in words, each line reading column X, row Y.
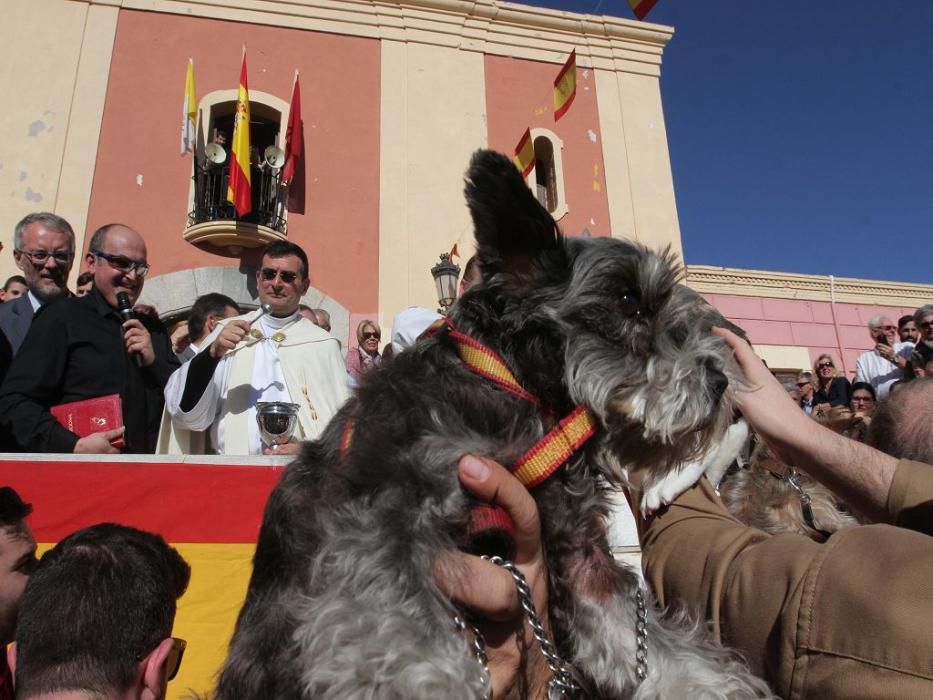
column 282, row 359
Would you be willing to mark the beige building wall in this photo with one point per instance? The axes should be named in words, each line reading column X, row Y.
column 431, row 123
column 56, row 58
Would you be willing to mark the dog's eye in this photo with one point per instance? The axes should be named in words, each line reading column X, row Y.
column 628, row 303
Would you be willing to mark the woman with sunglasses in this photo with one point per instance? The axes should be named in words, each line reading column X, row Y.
column 831, row 390
column 365, row 355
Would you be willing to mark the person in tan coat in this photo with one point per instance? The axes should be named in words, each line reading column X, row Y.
column 848, row 618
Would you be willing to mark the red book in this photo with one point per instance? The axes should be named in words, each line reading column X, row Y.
column 91, row 416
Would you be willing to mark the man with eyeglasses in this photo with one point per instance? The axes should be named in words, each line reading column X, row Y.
column 885, row 363
column 80, row 349
column 43, row 248
column 279, row 356
column 96, row 618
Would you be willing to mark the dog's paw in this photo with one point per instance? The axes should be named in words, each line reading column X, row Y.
column 670, row 486
column 718, row 459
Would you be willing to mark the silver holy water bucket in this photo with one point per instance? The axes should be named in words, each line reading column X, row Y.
column 277, row 421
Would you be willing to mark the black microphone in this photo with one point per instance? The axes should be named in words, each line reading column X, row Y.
column 126, row 313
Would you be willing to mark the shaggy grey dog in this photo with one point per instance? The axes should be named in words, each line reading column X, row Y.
column 342, row 602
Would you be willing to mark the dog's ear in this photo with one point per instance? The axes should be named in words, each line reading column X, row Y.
column 514, row 233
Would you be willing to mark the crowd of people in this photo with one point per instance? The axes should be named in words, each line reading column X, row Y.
column 902, row 353
column 195, row 388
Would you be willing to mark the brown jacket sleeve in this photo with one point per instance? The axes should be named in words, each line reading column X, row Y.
column 815, row 620
column 910, row 500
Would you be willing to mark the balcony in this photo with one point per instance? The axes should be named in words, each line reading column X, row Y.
column 213, row 223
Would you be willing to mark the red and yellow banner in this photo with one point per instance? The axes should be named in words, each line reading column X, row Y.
column 210, row 513
column 641, row 7
column 565, row 86
column 525, row 154
column 239, row 188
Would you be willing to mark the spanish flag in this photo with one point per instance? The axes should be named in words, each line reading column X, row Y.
column 238, row 189
column 210, row 513
column 565, row 86
column 641, row 7
column 189, row 112
column 525, row 154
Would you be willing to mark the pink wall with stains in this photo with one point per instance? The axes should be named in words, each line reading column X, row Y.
column 142, row 180
column 519, row 95
column 808, row 324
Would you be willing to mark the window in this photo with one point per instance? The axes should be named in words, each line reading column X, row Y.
column 547, row 181
column 208, row 194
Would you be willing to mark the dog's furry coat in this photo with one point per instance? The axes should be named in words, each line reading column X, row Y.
column 342, row 602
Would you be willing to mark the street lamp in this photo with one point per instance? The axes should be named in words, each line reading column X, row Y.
column 446, row 275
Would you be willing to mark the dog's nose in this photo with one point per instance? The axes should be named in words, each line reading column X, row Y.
column 716, row 381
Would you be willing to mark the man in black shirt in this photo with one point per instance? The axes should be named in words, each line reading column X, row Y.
column 80, row 349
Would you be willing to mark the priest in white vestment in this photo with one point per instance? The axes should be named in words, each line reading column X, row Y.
column 275, row 356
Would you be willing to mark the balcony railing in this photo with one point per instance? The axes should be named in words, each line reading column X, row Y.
column 269, row 197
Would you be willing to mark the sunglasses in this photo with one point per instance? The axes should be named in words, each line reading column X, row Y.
column 173, row 660
column 926, row 324
column 888, row 328
column 801, row 385
column 825, row 365
column 268, row 274
column 175, row 655
column 370, row 334
column 40, row 257
column 123, row 263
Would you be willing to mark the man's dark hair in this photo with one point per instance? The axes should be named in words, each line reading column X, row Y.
column 98, row 602
column 12, row 280
column 904, row 319
column 866, row 386
column 85, row 277
column 279, row 249
column 12, row 509
column 206, row 305
column 902, row 426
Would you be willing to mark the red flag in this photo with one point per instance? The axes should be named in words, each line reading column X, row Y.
column 641, row 8
column 293, row 136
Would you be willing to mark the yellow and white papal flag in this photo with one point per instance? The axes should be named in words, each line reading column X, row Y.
column 189, row 113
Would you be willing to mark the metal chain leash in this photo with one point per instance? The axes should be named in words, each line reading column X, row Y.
column 562, row 685
column 641, row 636
column 479, row 651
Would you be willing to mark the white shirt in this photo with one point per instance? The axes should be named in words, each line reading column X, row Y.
column 881, row 373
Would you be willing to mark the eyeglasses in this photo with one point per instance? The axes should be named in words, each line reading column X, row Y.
column 175, row 655
column 123, row 263
column 370, row 334
column 268, row 274
column 40, row 257
column 825, row 365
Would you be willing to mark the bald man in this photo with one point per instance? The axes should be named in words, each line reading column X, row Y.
column 81, row 348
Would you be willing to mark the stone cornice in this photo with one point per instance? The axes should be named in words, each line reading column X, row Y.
column 485, row 26
column 786, row 285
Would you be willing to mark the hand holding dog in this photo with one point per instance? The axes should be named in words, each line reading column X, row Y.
column 489, row 590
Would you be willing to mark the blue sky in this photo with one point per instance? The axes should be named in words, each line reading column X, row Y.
column 801, row 132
